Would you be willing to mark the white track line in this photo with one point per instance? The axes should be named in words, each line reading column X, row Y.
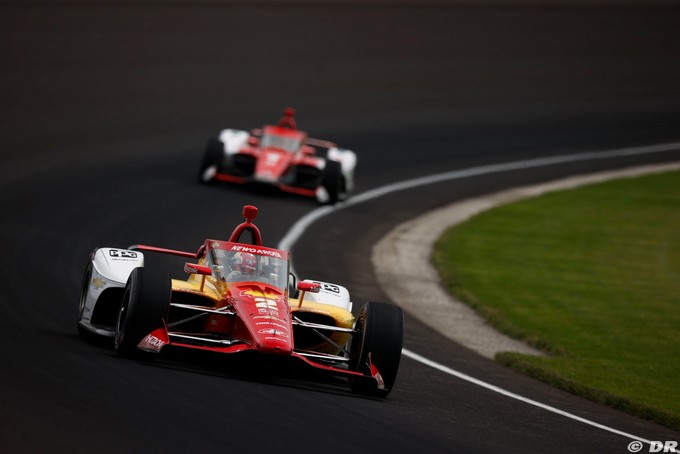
column 299, row 228
column 498, row 390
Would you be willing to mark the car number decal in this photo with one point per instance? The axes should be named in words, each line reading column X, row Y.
column 122, row 254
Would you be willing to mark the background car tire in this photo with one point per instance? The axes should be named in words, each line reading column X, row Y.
column 380, row 333
column 331, row 180
column 212, row 158
column 144, row 307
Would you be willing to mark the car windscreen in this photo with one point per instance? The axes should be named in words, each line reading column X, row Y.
column 291, row 144
column 238, row 266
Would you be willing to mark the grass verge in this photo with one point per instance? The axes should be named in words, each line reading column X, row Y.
column 592, row 277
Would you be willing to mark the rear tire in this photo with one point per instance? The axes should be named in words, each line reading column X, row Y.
column 378, row 342
column 144, row 307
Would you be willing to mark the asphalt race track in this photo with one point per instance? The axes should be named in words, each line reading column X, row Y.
column 106, row 106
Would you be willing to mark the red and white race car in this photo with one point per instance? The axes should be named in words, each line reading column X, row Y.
column 239, row 298
column 283, row 156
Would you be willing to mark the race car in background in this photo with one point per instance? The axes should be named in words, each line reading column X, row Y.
column 240, row 298
column 283, row 156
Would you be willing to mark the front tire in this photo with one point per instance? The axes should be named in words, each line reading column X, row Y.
column 144, row 307
column 212, row 160
column 377, row 342
column 84, row 289
column 332, row 181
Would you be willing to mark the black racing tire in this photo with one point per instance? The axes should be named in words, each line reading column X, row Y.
column 87, row 277
column 213, row 156
column 380, row 334
column 332, row 181
column 143, row 309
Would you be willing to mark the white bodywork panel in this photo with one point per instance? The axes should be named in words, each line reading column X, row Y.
column 115, row 265
column 348, row 162
column 111, row 268
column 233, row 140
column 331, row 294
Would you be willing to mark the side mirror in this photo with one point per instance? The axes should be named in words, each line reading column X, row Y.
column 194, row 268
column 253, row 141
column 307, row 286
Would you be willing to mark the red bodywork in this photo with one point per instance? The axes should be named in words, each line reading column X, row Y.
column 262, row 322
column 249, row 316
column 273, row 161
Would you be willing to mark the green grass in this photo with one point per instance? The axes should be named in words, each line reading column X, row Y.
column 592, row 277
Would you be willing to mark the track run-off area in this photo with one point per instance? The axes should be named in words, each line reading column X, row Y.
column 299, row 228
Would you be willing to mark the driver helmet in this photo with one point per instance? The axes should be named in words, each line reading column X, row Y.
column 245, row 263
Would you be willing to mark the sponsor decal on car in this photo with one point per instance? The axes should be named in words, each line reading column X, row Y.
column 271, row 312
column 277, row 325
column 266, row 305
column 121, row 254
column 273, row 332
column 258, row 295
column 254, row 250
column 151, row 343
column 269, row 317
column 190, row 268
